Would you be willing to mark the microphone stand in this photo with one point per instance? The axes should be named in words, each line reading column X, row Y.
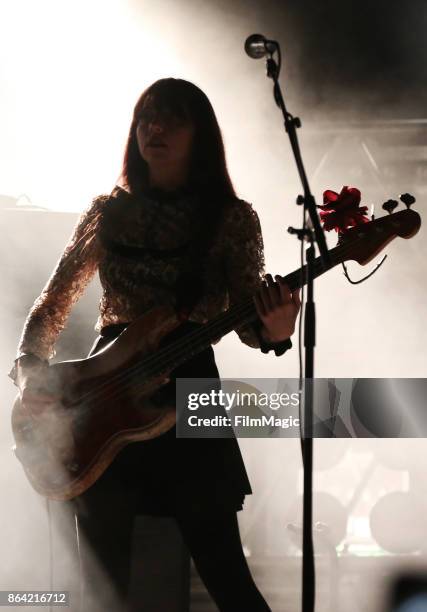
column 313, row 234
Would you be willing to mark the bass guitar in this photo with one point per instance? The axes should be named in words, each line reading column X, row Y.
column 108, row 399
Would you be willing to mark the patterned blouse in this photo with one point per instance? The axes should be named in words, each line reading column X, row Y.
column 233, row 268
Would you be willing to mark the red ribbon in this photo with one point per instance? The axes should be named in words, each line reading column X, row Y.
column 342, row 211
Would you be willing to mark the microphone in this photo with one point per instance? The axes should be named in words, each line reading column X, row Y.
column 257, row 46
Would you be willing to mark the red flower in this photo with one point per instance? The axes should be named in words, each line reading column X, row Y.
column 342, row 211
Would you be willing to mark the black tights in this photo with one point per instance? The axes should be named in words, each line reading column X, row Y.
column 105, row 538
column 216, row 549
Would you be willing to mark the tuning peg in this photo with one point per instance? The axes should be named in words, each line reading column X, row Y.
column 407, row 199
column 390, row 205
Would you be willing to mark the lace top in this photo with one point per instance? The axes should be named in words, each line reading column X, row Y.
column 164, row 226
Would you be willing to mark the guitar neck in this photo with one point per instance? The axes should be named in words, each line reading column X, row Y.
column 240, row 314
column 245, row 312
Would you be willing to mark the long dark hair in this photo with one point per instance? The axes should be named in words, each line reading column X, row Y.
column 208, row 177
column 208, row 174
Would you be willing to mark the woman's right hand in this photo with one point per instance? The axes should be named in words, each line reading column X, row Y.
column 32, row 384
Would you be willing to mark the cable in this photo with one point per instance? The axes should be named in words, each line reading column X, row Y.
column 81, row 581
column 49, row 526
column 300, row 351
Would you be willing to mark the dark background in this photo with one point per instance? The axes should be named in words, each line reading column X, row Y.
column 349, row 56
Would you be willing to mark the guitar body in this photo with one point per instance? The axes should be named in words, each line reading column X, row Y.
column 104, row 407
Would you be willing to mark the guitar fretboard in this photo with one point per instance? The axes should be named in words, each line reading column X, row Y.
column 240, row 314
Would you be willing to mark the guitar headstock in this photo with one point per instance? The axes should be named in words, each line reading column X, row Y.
column 363, row 242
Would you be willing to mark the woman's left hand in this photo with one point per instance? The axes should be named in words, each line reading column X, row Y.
column 278, row 308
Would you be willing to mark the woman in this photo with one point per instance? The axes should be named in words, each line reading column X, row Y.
column 171, row 232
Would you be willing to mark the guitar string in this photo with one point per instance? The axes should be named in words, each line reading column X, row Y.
column 175, row 346
column 235, row 312
column 149, row 363
column 175, row 349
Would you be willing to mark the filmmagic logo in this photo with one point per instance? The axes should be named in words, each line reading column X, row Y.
column 243, row 420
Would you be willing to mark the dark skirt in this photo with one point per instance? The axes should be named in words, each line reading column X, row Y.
column 167, row 474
